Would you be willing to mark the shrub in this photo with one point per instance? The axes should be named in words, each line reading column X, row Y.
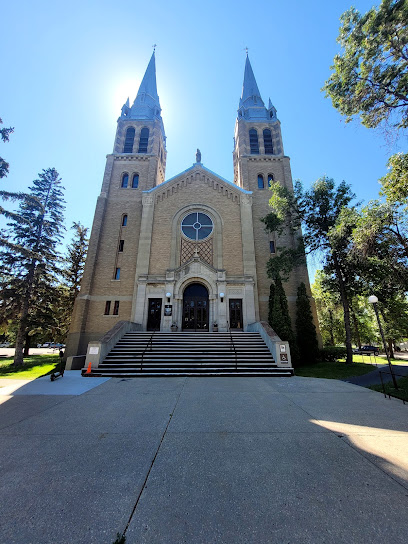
column 332, row 354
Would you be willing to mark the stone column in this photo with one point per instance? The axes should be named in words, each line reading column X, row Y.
column 143, row 257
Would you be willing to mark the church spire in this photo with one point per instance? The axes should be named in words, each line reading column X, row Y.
column 146, row 104
column 250, row 92
column 251, row 105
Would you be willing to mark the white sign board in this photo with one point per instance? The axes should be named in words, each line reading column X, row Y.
column 282, row 348
column 93, row 350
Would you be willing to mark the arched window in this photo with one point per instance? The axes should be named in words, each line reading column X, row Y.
column 144, row 140
column 129, row 139
column 124, row 220
column 135, row 181
column 125, row 181
column 253, row 142
column 270, row 180
column 267, row 136
column 261, row 184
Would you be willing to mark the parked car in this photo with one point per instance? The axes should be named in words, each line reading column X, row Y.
column 371, row 349
column 5, row 345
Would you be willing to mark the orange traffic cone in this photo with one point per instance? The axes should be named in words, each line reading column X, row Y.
column 89, row 369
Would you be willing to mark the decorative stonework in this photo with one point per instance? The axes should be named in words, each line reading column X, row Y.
column 204, row 250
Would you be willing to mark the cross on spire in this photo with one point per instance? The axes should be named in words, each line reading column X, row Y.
column 154, row 47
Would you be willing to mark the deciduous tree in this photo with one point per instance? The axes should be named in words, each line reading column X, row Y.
column 370, row 75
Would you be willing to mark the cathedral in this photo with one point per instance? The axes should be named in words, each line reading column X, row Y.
column 190, row 252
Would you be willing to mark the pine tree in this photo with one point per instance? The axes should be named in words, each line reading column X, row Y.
column 280, row 318
column 75, row 261
column 306, row 337
column 271, row 301
column 34, row 266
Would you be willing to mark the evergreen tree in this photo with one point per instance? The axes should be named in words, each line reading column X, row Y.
column 75, row 261
column 280, row 318
column 5, row 136
column 271, row 301
column 34, row 266
column 306, row 337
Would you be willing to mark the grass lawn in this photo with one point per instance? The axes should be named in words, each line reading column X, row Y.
column 34, row 367
column 401, row 393
column 376, row 360
column 334, row 371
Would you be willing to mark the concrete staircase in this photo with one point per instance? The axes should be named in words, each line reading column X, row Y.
column 143, row 354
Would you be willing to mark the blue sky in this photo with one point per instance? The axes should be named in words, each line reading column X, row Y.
column 68, row 68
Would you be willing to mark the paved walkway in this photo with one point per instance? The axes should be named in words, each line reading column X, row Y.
column 202, row 460
column 374, row 378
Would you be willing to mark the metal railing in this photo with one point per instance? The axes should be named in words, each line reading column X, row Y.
column 401, row 390
column 233, row 346
column 149, row 343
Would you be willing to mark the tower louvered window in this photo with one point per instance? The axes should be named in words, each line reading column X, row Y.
column 144, row 140
column 267, row 136
column 270, row 180
column 125, row 181
column 261, row 184
column 253, row 142
column 129, row 139
column 135, row 181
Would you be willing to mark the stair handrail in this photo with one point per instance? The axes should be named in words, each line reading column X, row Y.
column 150, row 342
column 233, row 346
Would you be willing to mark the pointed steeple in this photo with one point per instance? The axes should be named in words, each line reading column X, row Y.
column 251, row 105
column 250, row 92
column 146, row 104
column 148, row 85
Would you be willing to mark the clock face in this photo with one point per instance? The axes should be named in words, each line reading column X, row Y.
column 197, row 226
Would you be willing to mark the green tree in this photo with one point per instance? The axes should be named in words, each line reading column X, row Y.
column 329, row 310
column 5, row 136
column 280, row 319
column 395, row 183
column 318, row 211
column 306, row 337
column 36, row 264
column 75, row 261
column 370, row 75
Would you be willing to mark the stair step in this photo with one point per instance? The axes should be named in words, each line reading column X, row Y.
column 190, row 354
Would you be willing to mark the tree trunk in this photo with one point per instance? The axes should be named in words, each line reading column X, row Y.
column 22, row 328
column 26, row 346
column 356, row 330
column 346, row 309
column 331, row 327
column 391, row 347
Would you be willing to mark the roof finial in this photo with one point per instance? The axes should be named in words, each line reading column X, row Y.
column 246, row 51
column 154, row 47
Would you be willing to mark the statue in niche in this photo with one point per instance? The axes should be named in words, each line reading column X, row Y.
column 198, row 156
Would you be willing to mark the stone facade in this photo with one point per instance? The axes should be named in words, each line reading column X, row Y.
column 151, row 238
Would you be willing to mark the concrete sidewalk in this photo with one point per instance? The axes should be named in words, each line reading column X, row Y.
column 204, row 460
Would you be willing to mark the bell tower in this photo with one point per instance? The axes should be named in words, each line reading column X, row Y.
column 140, row 136
column 259, row 159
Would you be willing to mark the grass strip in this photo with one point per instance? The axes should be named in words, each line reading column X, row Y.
column 333, row 371
column 400, row 393
column 34, row 367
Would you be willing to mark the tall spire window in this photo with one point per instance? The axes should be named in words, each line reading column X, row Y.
column 270, row 180
column 253, row 142
column 261, row 184
column 144, row 140
column 267, row 136
column 129, row 139
column 125, row 181
column 135, row 181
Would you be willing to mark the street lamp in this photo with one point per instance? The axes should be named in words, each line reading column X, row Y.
column 373, row 300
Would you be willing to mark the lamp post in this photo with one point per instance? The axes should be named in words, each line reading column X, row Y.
column 373, row 300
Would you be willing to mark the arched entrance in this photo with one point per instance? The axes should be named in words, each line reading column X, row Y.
column 195, row 308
